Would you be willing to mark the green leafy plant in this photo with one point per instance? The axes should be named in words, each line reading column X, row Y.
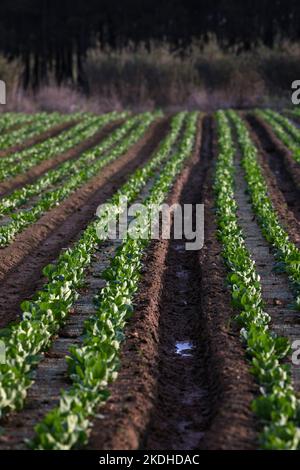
column 8, row 120
column 68, row 139
column 39, row 123
column 287, row 253
column 82, row 172
column 22, row 161
column 284, row 129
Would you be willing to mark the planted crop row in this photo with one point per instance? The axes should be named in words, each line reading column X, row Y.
column 20, row 162
column 39, row 123
column 277, row 406
column 44, row 315
column 287, row 253
column 20, row 196
column 8, row 120
column 284, row 130
column 52, row 198
column 51, row 144
column 293, row 112
column 94, row 364
column 285, row 123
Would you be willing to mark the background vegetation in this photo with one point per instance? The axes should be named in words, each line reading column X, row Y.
column 102, row 55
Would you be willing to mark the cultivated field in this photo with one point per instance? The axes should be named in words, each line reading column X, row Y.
column 139, row 343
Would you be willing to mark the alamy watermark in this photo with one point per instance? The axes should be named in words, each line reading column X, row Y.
column 2, row 92
column 2, row 352
column 296, row 94
column 296, row 352
column 182, row 222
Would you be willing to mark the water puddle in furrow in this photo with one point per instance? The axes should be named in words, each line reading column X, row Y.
column 184, row 348
column 192, row 396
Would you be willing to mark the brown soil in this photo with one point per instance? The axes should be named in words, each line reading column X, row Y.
column 32, row 174
column 55, row 130
column 284, row 194
column 124, row 417
column 164, row 400
column 21, row 263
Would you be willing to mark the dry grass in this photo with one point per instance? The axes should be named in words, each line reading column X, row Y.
column 202, row 77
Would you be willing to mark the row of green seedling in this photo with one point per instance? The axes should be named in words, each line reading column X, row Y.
column 94, row 364
column 20, row 197
column 52, row 198
column 284, row 130
column 47, row 312
column 21, row 162
column 276, row 406
column 287, row 253
column 39, row 123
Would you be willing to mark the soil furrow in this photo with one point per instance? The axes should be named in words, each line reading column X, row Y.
column 276, row 290
column 182, row 409
column 52, row 132
column 21, row 263
column 6, row 187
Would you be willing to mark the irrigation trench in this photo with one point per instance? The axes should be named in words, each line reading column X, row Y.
column 184, row 381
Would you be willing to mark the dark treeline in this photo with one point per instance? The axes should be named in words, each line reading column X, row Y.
column 54, row 36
